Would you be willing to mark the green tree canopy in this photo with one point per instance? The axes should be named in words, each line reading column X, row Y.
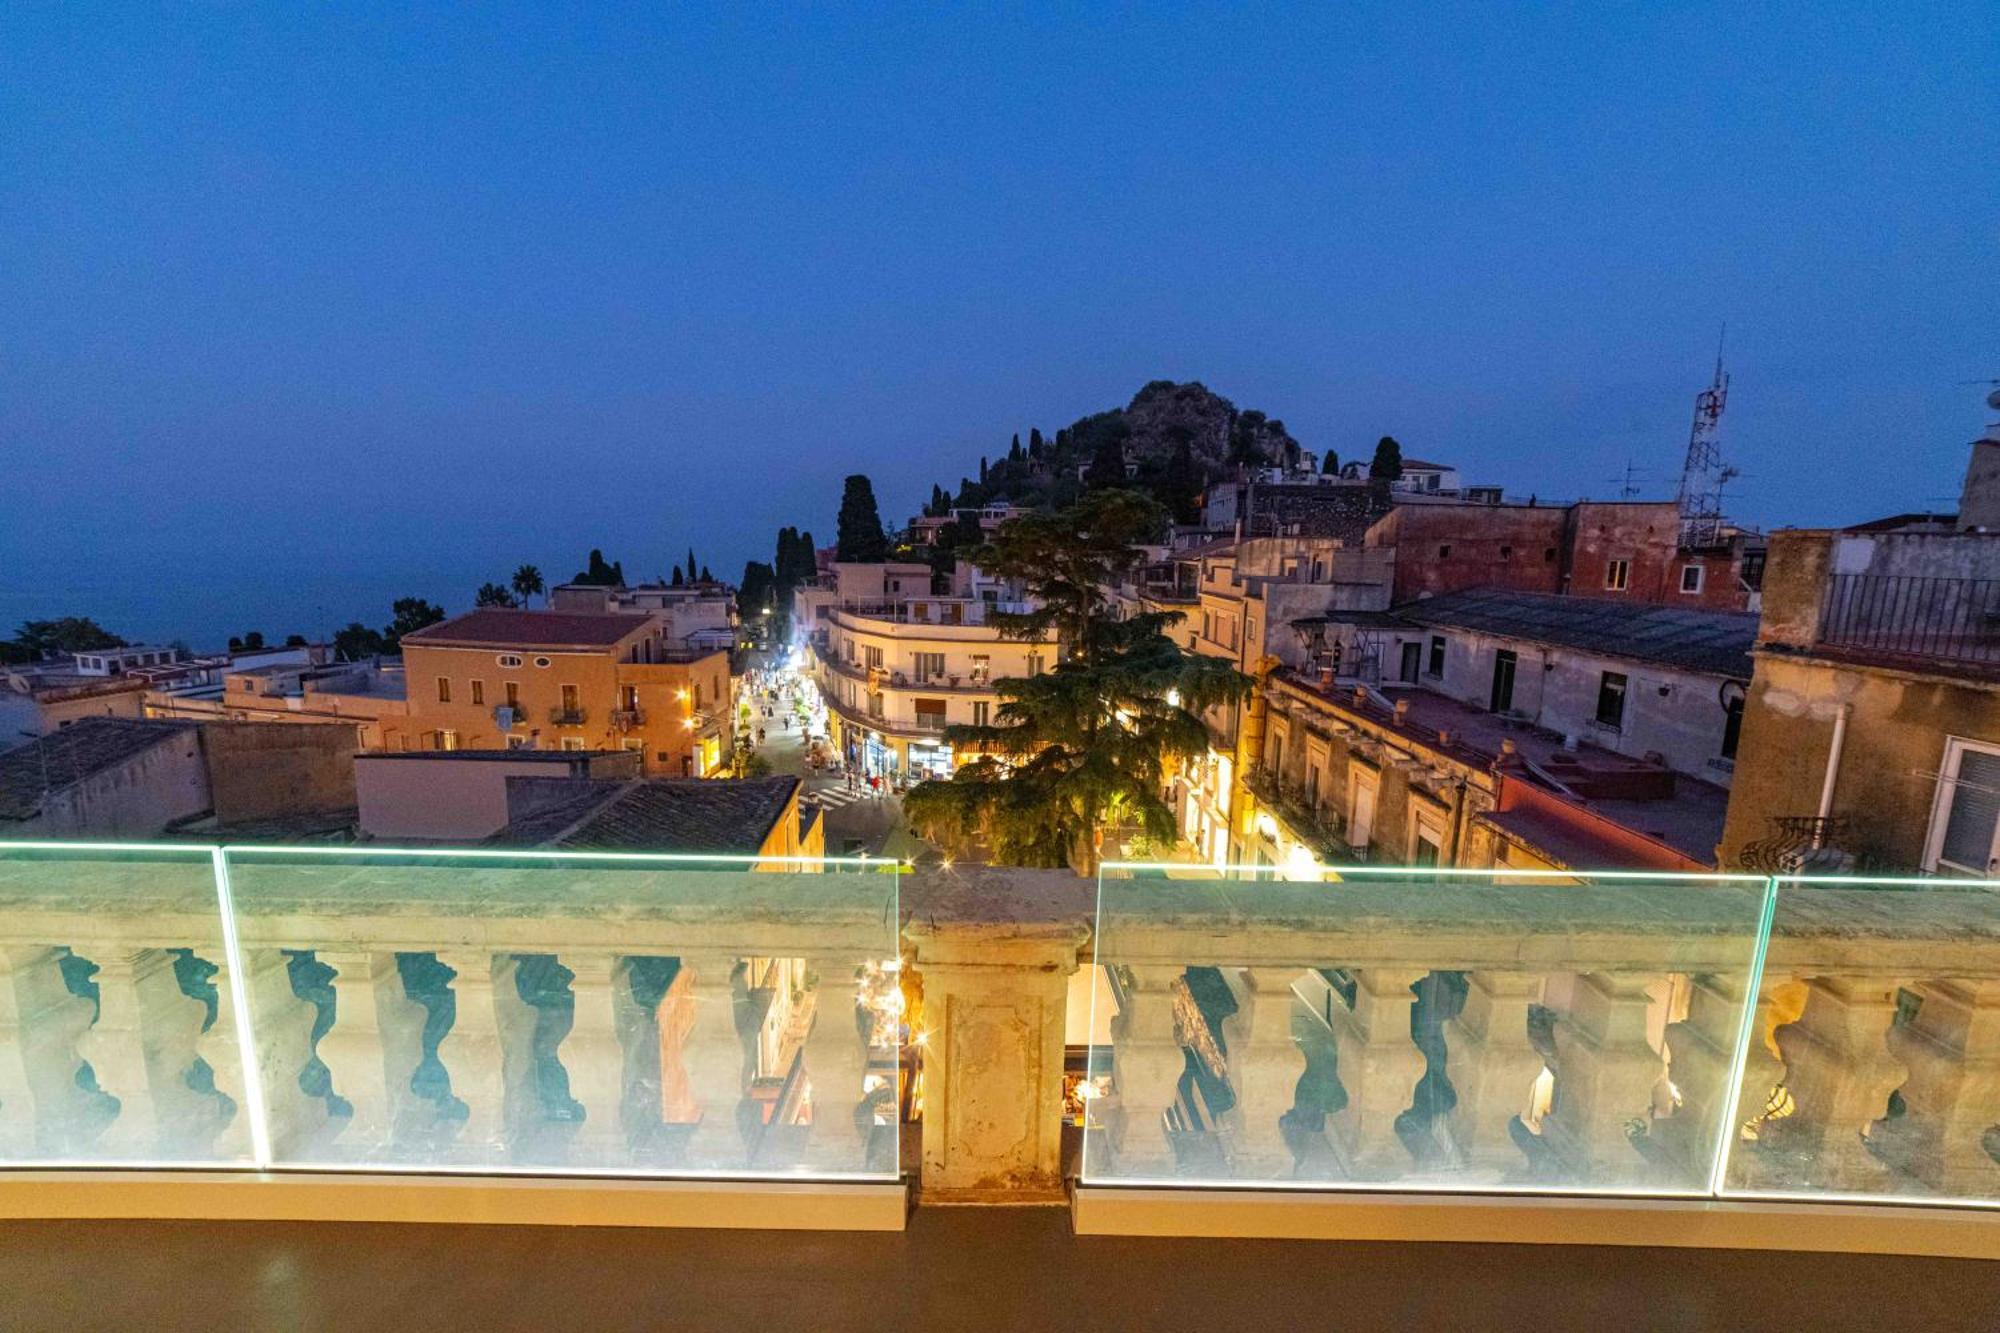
column 493, row 594
column 600, row 573
column 860, row 534
column 411, row 615
column 1090, row 742
column 1387, row 465
column 358, row 641
column 69, row 634
column 527, row 583
column 1330, row 465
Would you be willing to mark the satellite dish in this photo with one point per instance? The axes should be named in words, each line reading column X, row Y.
column 1993, row 400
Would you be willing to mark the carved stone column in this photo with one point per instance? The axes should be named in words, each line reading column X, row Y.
column 1840, row 1071
column 1264, row 1067
column 594, row 1057
column 1952, row 1095
column 475, row 1052
column 1607, row 1074
column 703, row 1059
column 352, row 1049
column 116, row 1047
column 1379, row 1068
column 1701, row 1051
column 30, row 1100
column 836, row 1058
column 994, row 1006
column 1147, row 1061
column 1492, row 1064
column 283, row 1023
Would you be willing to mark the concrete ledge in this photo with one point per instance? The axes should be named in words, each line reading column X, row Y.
column 1958, row 1233
column 250, row 1196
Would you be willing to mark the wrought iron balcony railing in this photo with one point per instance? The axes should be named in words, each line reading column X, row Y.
column 1913, row 617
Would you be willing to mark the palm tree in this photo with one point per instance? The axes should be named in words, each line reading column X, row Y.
column 528, row 583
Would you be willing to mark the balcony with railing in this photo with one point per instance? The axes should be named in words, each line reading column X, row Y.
column 1737, row 1061
column 560, row 716
column 1913, row 618
column 1312, row 823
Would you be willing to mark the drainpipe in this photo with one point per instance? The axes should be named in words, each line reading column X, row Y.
column 1832, row 776
column 1249, row 752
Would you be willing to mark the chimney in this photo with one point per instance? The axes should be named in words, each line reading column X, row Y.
column 1402, row 711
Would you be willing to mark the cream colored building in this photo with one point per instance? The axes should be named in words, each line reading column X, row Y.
column 895, row 674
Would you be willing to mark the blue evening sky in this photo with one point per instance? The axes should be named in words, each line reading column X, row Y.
column 305, row 308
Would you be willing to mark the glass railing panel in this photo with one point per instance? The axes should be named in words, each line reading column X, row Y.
column 1873, row 1068
column 572, row 1013
column 118, row 1038
column 1417, row 1029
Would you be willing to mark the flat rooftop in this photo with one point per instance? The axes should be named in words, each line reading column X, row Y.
column 501, row 627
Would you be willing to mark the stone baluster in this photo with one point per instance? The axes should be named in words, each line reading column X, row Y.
column 595, row 1057
column 704, row 1057
column 1701, row 1052
column 836, row 1057
column 1952, row 1095
column 37, row 1051
column 116, row 1047
column 1379, row 1068
column 1492, row 1064
column 1264, row 1064
column 1840, row 1071
column 283, row 1023
column 353, row 1048
column 475, row 1051
column 170, row 1027
column 1607, row 1074
column 1147, row 1061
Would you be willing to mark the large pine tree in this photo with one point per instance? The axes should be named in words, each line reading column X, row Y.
column 860, row 535
column 1089, row 743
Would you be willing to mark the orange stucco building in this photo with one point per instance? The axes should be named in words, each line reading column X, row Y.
column 499, row 678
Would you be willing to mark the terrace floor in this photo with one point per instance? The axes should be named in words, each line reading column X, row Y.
column 988, row 1268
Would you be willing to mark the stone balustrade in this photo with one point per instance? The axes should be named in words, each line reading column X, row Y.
column 574, row 1017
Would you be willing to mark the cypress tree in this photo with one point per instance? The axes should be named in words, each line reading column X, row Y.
column 860, row 530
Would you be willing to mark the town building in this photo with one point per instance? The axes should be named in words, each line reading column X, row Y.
column 502, row 679
column 1871, row 735
column 460, row 796
column 368, row 696
column 696, row 615
column 734, row 817
column 114, row 777
column 40, row 697
column 895, row 673
column 924, row 529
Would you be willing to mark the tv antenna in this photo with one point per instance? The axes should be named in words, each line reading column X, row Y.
column 1628, row 483
column 1703, row 476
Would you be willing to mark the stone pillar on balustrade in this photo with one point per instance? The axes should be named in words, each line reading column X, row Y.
column 1701, row 1055
column 1492, row 1065
column 836, row 1060
column 594, row 1057
column 1264, row 1066
column 40, row 1021
column 486, row 1053
column 1379, row 1065
column 995, row 949
column 1147, row 1061
column 1840, row 1070
column 283, row 1023
column 705, row 1060
column 115, row 1046
column 1951, row 1099
column 364, row 1065
column 1608, row 1076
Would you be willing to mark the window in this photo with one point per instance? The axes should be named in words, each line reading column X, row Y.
column 930, row 713
column 636, row 747
column 872, row 656
column 508, row 660
column 1506, row 553
column 979, row 713
column 875, row 704
column 1966, row 815
column 1034, row 664
column 1548, row 555
column 1274, row 755
column 571, row 704
column 513, row 696
column 520, row 743
column 697, row 696
column 1502, row 698
column 982, row 668
column 444, row 689
column 478, row 691
column 1361, row 811
column 1437, row 656
column 1617, row 575
column 447, row 740
column 1444, row 551
column 631, row 704
column 572, row 742
column 1611, row 700
column 1732, row 722
column 929, row 666
column 1690, row 578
